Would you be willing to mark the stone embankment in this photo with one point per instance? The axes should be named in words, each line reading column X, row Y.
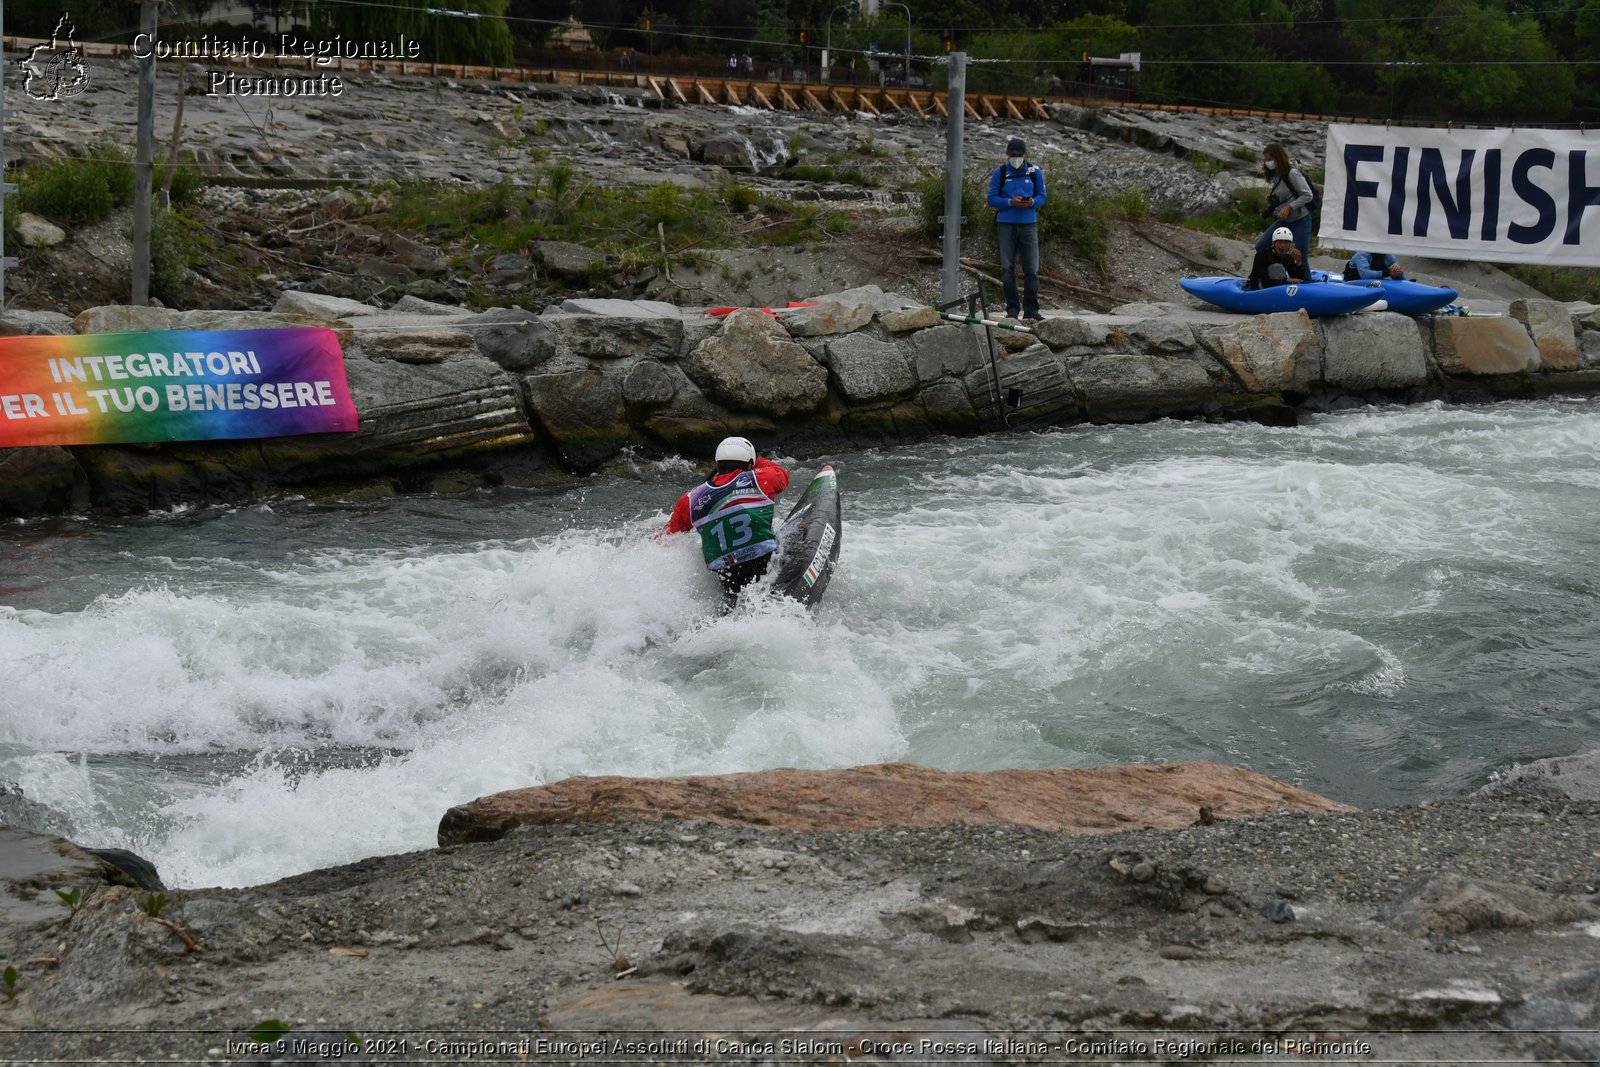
column 449, row 398
column 965, row 918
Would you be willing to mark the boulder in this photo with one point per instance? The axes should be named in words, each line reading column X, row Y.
column 1589, row 352
column 751, row 365
column 35, row 232
column 40, row 481
column 948, row 352
column 948, row 408
column 571, row 262
column 1164, row 335
column 1468, row 346
column 616, row 336
column 867, row 369
column 1550, row 326
column 513, row 338
column 1033, row 389
column 893, row 796
column 124, row 318
column 827, row 318
column 317, row 305
column 1373, row 351
column 428, row 411
column 649, row 384
column 37, row 323
column 1270, row 353
column 1451, row 905
column 916, row 318
column 582, row 413
column 1128, row 386
column 1063, row 333
column 420, row 345
column 415, row 305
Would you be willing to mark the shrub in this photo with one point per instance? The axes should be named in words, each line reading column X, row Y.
column 171, row 256
column 1080, row 221
column 930, row 203
column 79, row 190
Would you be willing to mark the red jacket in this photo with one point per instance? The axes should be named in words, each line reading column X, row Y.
column 772, row 478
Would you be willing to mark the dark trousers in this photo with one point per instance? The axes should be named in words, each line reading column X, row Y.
column 1019, row 240
column 736, row 577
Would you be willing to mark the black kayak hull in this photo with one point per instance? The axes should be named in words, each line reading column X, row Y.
column 808, row 541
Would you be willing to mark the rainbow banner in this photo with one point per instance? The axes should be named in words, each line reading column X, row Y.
column 172, row 385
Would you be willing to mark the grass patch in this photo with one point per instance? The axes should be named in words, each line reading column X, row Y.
column 1207, row 165
column 847, row 175
column 1567, row 284
column 1244, row 152
column 1244, row 220
column 930, row 204
column 1083, row 222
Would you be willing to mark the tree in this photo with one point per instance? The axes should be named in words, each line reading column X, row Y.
column 483, row 41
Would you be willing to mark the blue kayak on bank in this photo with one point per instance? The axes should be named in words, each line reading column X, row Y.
column 1316, row 299
column 1406, row 297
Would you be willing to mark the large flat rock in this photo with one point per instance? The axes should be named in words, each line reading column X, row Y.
column 897, row 795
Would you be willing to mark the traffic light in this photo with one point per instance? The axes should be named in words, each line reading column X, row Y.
column 803, row 35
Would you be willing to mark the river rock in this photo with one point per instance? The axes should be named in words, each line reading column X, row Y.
column 1550, row 326
column 827, row 318
column 1454, row 904
column 751, row 364
column 947, row 352
column 865, row 368
column 429, row 411
column 1063, row 333
column 562, row 259
column 917, row 318
column 1269, row 353
column 420, row 345
column 1126, row 386
column 40, row 481
column 582, row 411
column 1372, row 351
column 648, row 384
column 513, row 338
column 613, row 336
column 895, row 795
column 1478, row 347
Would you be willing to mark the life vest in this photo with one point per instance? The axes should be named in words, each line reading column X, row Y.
column 734, row 520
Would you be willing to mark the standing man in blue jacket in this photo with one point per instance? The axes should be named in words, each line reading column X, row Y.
column 1016, row 192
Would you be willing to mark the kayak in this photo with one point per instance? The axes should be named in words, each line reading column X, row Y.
column 808, row 541
column 1398, row 294
column 1316, row 299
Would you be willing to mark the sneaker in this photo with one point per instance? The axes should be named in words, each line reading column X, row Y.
column 1012, row 314
column 1034, row 317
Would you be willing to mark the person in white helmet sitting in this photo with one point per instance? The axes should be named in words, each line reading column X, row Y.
column 1277, row 264
column 732, row 509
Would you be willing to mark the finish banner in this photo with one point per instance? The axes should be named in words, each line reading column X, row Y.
column 1500, row 195
column 172, row 385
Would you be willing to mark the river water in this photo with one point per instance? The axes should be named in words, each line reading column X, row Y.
column 1384, row 605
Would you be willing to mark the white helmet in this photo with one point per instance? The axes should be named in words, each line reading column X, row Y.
column 1283, row 233
column 737, row 450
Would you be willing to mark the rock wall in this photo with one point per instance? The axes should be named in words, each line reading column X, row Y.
column 449, row 398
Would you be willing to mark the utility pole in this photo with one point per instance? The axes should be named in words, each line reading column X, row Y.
column 143, row 154
column 956, row 106
column 6, row 188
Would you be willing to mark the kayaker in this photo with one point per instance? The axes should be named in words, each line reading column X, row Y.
column 732, row 509
column 1372, row 266
column 1277, row 264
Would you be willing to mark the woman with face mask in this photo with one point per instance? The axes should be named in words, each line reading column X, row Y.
column 1016, row 191
column 1288, row 203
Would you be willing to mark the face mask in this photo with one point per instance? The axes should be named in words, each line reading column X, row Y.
column 1270, row 165
column 1016, row 161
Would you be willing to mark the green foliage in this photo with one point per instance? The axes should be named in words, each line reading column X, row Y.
column 929, row 190
column 482, row 41
column 1244, row 220
column 79, row 190
column 557, row 180
column 1246, row 153
column 1567, row 284
column 1131, row 204
column 155, row 904
column 1079, row 221
column 269, row 1030
column 740, row 197
column 171, row 256
column 9, row 980
column 72, row 899
column 1207, row 165
column 187, row 181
